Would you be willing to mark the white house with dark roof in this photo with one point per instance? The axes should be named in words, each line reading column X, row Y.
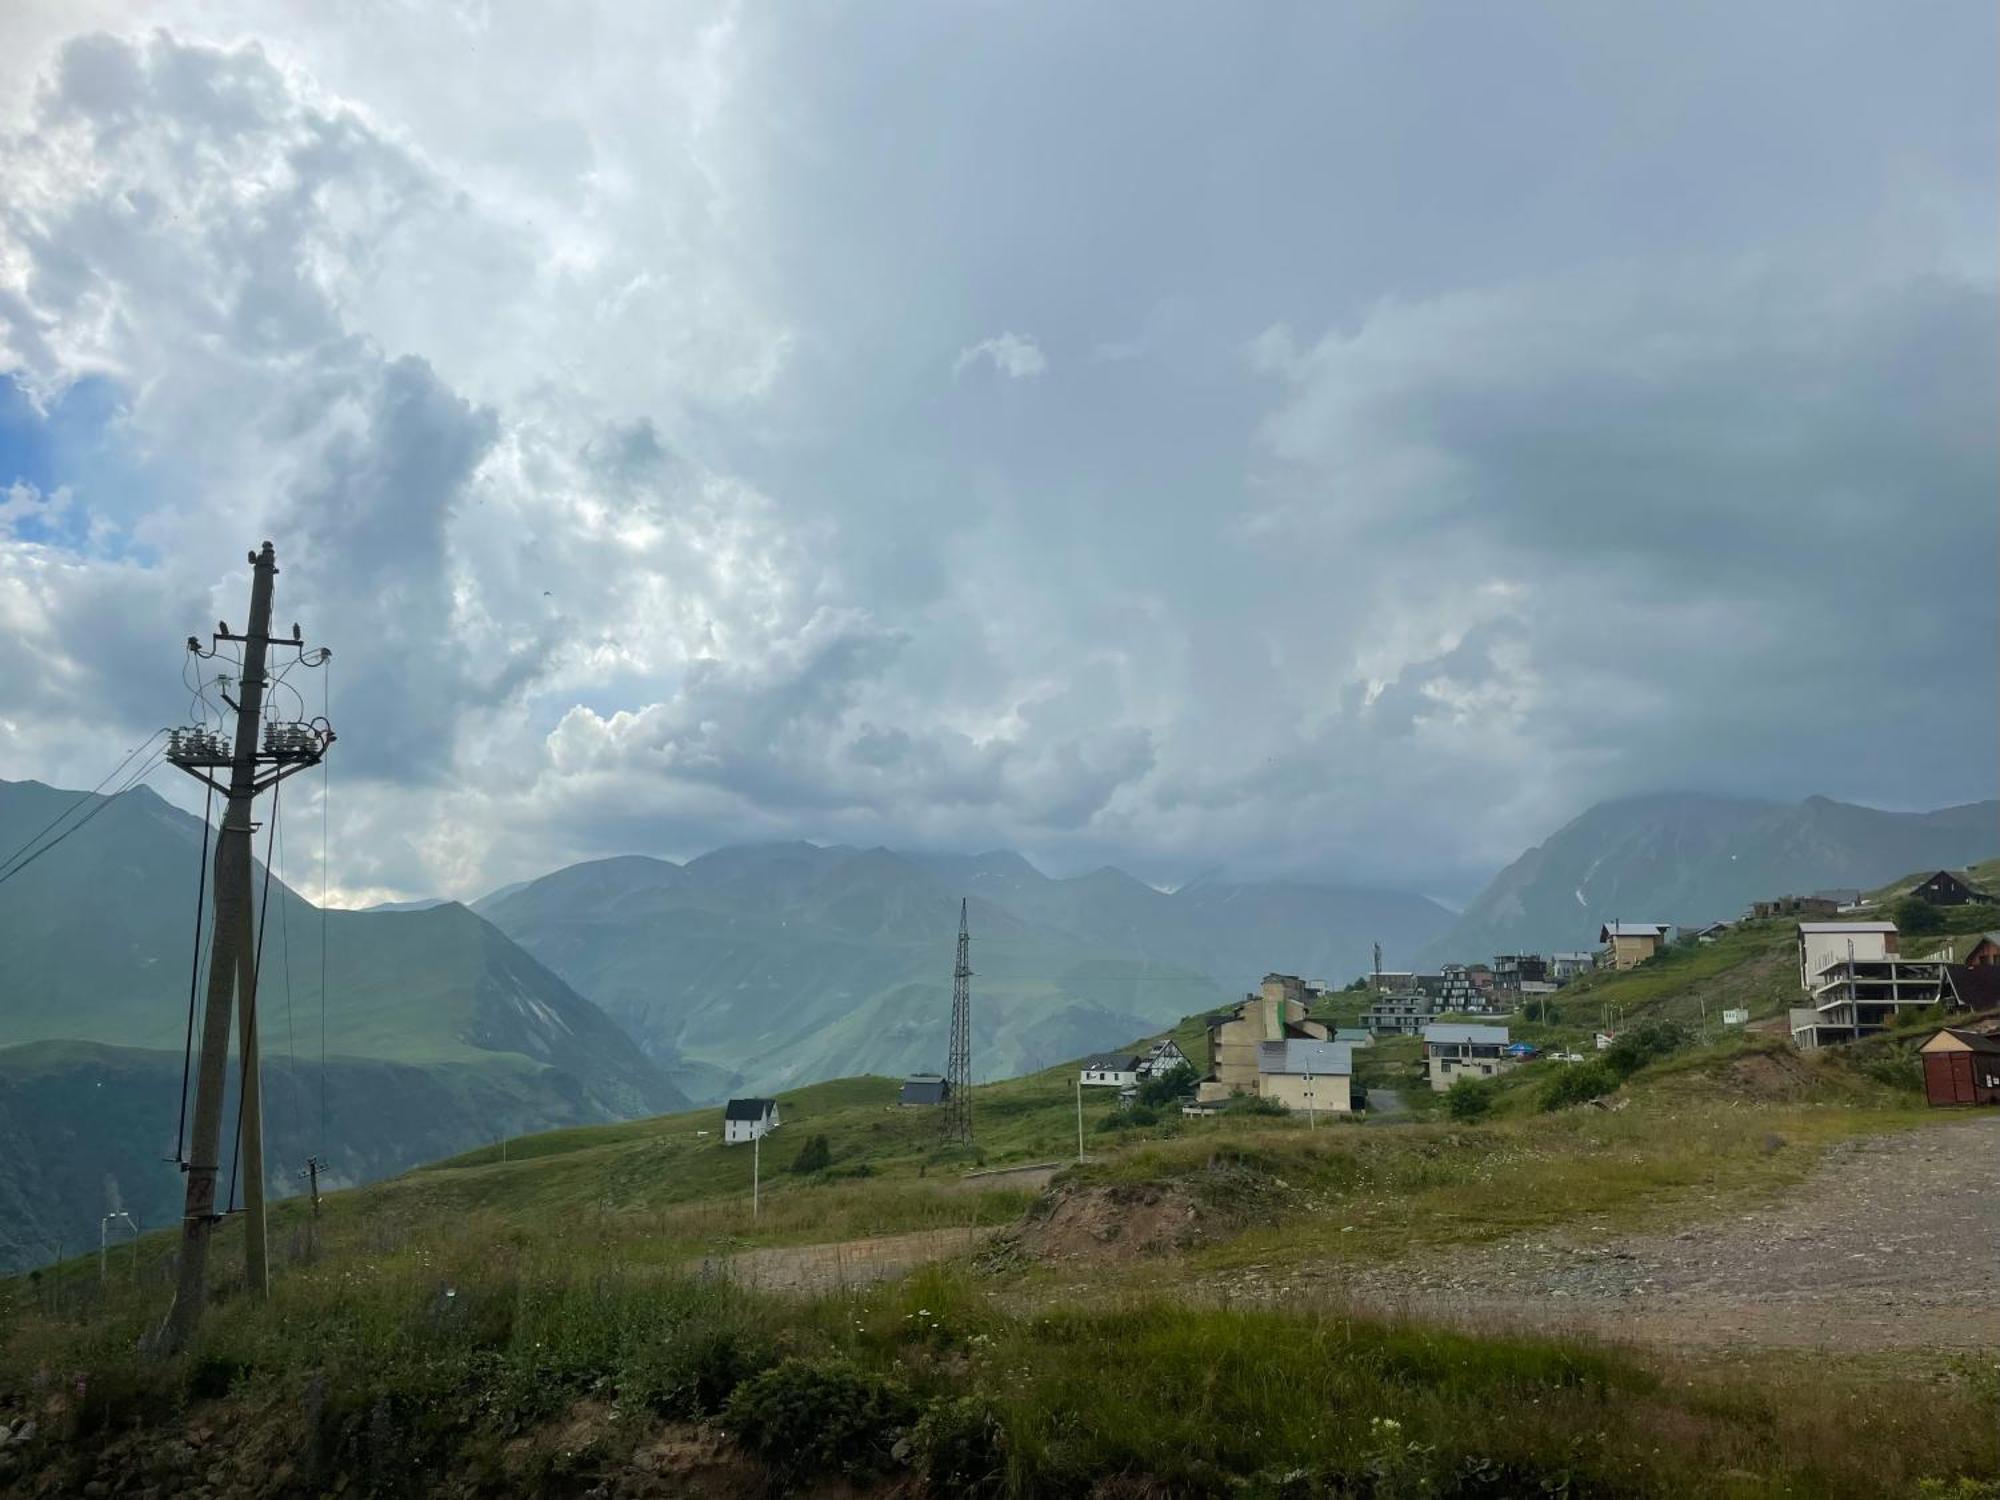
column 1115, row 1070
column 748, row 1119
column 1307, row 1075
column 1453, row 1051
column 1161, row 1058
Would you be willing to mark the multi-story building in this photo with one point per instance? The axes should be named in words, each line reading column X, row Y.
column 1856, row 997
column 1400, row 1015
column 1452, row 1052
column 1306, row 1075
column 1820, row 943
column 1629, row 944
column 1276, row 1013
column 1563, row 967
column 1511, row 969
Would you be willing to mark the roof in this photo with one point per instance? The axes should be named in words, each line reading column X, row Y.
column 748, row 1109
column 1822, row 928
column 925, row 1088
column 1975, row 989
column 1612, row 930
column 1111, row 1062
column 1978, row 1041
column 1484, row 1036
column 1351, row 1034
column 1305, row 1057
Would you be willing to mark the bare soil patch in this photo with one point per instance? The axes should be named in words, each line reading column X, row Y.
column 1107, row 1224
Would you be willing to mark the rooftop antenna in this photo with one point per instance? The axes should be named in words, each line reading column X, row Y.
column 958, row 1069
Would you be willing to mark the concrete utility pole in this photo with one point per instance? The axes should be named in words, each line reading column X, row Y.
column 232, row 972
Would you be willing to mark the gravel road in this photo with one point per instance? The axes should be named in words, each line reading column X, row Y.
column 1893, row 1242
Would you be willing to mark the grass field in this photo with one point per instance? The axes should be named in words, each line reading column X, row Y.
column 540, row 1316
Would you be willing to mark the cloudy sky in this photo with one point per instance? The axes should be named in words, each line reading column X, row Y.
column 1343, row 440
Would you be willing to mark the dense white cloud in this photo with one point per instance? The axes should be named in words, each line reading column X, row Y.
column 585, row 370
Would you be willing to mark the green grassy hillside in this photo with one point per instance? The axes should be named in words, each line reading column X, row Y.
column 437, row 1031
column 544, row 1314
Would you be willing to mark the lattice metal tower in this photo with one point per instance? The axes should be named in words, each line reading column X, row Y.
column 958, row 1070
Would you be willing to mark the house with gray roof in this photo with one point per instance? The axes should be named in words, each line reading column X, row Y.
column 1313, row 1076
column 1453, row 1051
column 1116, row 1070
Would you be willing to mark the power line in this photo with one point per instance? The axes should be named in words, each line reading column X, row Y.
column 325, row 800
column 248, row 1004
column 146, row 769
column 81, row 798
column 194, row 975
column 285, row 941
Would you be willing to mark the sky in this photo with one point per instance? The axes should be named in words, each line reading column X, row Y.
column 1328, row 441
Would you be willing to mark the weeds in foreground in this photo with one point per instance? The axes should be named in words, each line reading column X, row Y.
column 446, row 1359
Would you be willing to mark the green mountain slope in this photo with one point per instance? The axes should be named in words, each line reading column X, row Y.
column 438, row 1031
column 776, row 965
column 1689, row 859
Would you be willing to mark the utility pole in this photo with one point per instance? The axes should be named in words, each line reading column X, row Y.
column 232, row 972
column 1079, row 1115
column 311, row 1174
column 958, row 1068
column 756, row 1171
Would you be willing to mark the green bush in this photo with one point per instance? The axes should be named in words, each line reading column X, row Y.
column 1177, row 1083
column 1912, row 914
column 1468, row 1099
column 692, row 1373
column 1257, row 1104
column 816, row 1155
column 1578, row 1083
column 807, row 1417
column 959, row 1447
column 1646, row 1042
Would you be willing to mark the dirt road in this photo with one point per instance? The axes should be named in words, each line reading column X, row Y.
column 823, row 1268
column 1894, row 1242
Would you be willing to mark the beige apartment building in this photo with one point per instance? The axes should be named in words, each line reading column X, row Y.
column 1276, row 1013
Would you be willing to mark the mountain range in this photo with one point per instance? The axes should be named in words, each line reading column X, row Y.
column 634, row 985
column 767, row 966
column 1686, row 858
column 438, row 1033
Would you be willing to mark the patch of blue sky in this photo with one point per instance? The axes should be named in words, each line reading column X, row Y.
column 73, row 442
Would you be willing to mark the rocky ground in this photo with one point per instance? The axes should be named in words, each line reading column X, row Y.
column 1894, row 1242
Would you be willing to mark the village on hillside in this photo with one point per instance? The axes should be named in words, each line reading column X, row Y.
column 1291, row 1046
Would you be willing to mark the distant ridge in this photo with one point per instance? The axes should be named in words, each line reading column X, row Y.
column 1687, row 857
column 779, row 964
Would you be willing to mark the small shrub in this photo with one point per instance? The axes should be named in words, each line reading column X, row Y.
column 1646, row 1042
column 1912, row 914
column 1468, row 1099
column 693, row 1373
column 1257, row 1104
column 1177, row 1083
column 959, row 1447
column 816, row 1155
column 808, row 1417
column 1578, row 1083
